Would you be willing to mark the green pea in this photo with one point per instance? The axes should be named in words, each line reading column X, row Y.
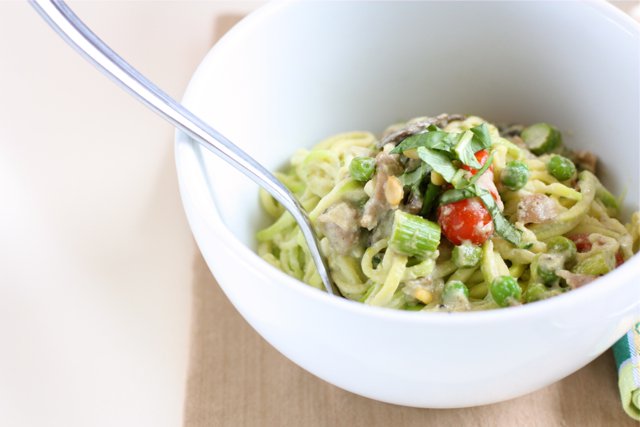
column 535, row 292
column 546, row 267
column 515, row 175
column 362, row 168
column 563, row 246
column 455, row 294
column 504, row 290
column 466, row 255
column 546, row 275
column 455, row 288
column 561, row 168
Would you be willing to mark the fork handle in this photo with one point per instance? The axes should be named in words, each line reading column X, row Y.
column 67, row 24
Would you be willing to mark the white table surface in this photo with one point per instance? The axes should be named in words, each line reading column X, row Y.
column 96, row 257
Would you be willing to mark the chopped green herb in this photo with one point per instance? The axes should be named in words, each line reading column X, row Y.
column 461, row 146
column 455, row 195
column 483, row 169
column 438, row 161
column 459, row 179
column 464, row 150
column 430, row 196
column 481, row 137
column 503, row 227
column 435, row 139
column 414, row 178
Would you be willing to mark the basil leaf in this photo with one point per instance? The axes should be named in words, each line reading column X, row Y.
column 483, row 169
column 464, row 150
column 435, row 139
column 438, row 161
column 460, row 180
column 414, row 178
column 430, row 196
column 481, row 138
column 455, row 195
column 503, row 227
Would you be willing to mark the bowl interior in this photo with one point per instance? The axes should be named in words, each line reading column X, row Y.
column 293, row 74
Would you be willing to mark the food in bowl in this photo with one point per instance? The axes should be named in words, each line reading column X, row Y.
column 450, row 213
column 284, row 78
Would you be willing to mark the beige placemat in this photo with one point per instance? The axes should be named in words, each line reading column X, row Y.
column 237, row 379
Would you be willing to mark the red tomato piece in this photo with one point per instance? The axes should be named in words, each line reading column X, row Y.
column 481, row 157
column 469, row 220
column 583, row 244
column 465, row 220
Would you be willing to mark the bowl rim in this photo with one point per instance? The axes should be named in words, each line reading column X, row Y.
column 610, row 283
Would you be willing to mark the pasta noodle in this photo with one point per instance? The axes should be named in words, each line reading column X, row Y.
column 386, row 208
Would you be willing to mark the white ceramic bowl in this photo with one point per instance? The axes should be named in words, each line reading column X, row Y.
column 291, row 74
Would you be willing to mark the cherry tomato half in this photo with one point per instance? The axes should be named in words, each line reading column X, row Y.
column 465, row 220
column 469, row 220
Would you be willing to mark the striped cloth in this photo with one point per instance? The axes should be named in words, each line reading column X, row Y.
column 627, row 354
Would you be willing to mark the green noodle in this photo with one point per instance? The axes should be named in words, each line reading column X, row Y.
column 375, row 273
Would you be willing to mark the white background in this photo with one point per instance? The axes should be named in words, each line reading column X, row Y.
column 96, row 257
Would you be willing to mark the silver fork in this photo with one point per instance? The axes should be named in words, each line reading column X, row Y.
column 67, row 24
